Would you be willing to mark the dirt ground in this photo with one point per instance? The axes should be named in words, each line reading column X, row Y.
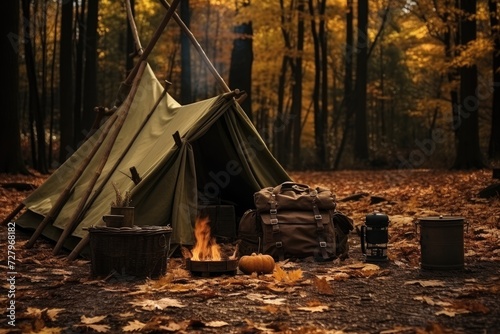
column 52, row 295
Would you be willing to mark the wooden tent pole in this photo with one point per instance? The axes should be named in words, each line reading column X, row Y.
column 61, row 200
column 102, row 163
column 76, row 219
column 79, row 247
column 138, row 47
column 198, row 48
column 67, row 191
column 152, row 43
column 13, row 214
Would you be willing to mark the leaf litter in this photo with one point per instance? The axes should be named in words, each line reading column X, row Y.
column 340, row 297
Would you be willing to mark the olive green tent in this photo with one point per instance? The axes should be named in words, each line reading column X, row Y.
column 186, row 156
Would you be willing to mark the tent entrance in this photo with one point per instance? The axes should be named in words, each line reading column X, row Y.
column 220, row 172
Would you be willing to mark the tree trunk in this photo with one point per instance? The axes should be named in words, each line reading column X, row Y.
column 296, row 110
column 240, row 71
column 66, row 81
column 318, row 90
column 52, row 87
column 347, row 106
column 494, row 145
column 80, row 32
column 40, row 162
column 323, row 42
column 281, row 119
column 361, row 133
column 186, row 94
column 11, row 160
column 281, row 127
column 468, row 153
column 90, row 73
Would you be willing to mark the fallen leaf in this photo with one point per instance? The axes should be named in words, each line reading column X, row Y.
column 295, row 275
column 273, row 309
column 340, row 276
column 126, row 315
column 53, row 313
column 318, row 308
column 34, row 312
column 216, row 324
column 255, row 296
column 50, row 330
column 279, row 274
column 134, row 326
column 92, row 320
column 451, row 312
column 151, row 305
column 36, row 279
column 100, row 328
column 471, row 306
column 173, row 326
column 92, row 323
column 61, row 272
column 425, row 299
column 277, row 301
column 267, row 299
column 323, row 286
column 288, row 277
column 426, row 283
column 398, row 330
column 432, row 302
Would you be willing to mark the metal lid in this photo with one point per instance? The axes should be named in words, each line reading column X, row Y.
column 442, row 218
column 377, row 219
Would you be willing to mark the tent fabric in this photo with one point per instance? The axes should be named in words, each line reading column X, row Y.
column 221, row 159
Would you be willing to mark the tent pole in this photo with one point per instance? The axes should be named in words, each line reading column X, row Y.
column 77, row 217
column 144, row 56
column 138, row 47
column 67, row 191
column 61, row 200
column 102, row 163
column 78, row 248
column 198, row 47
column 13, row 214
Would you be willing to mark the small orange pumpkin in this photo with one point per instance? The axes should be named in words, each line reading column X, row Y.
column 256, row 263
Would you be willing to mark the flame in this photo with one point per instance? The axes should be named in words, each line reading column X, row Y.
column 205, row 248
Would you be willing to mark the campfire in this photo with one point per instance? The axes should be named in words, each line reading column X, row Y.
column 206, row 258
column 206, row 247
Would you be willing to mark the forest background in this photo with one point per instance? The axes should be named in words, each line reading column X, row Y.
column 330, row 84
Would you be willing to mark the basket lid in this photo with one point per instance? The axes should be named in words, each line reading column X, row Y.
column 134, row 230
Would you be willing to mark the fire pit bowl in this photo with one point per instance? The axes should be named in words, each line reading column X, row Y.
column 212, row 268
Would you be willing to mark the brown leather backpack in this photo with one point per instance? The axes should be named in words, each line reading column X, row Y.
column 293, row 220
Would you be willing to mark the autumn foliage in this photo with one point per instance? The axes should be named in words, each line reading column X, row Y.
column 56, row 296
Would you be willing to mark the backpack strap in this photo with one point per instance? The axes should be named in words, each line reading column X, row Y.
column 320, row 228
column 273, row 212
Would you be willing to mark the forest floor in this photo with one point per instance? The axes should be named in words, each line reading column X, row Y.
column 52, row 295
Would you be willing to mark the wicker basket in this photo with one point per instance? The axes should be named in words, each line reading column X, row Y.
column 136, row 251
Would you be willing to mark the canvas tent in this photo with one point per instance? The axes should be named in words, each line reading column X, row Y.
column 218, row 156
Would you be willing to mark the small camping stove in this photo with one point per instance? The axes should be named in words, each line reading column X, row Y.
column 212, row 268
